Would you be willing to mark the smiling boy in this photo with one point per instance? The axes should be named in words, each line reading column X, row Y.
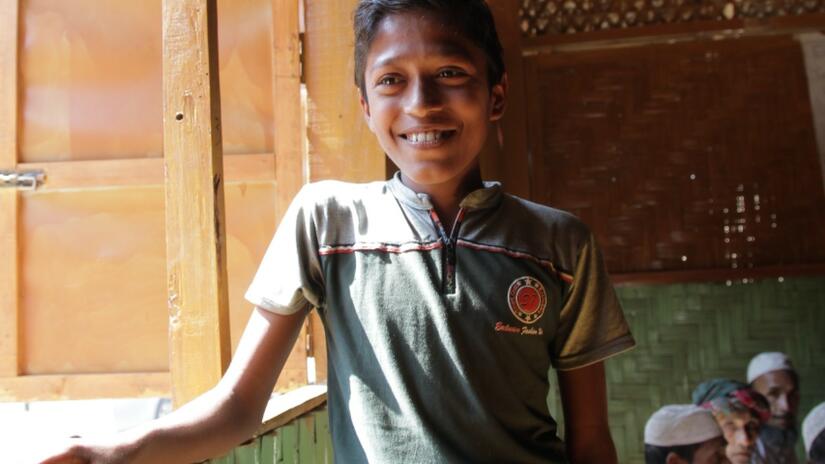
column 446, row 302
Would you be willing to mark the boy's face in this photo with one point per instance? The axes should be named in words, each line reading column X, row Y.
column 427, row 97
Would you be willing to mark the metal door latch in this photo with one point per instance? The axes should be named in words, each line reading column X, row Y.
column 23, row 180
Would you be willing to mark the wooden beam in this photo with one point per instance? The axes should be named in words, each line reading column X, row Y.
column 284, row 409
column 672, row 33
column 142, row 172
column 9, row 301
column 199, row 343
column 84, row 386
column 717, row 275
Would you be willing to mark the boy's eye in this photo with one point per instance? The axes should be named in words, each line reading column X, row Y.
column 388, row 80
column 449, row 73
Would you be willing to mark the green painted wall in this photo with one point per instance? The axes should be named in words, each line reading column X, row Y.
column 688, row 333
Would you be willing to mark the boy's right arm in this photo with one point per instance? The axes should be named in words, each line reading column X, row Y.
column 215, row 422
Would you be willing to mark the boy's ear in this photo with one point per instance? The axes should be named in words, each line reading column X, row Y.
column 365, row 105
column 498, row 97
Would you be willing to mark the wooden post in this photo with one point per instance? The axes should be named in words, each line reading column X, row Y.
column 511, row 163
column 9, row 301
column 290, row 131
column 199, row 343
column 291, row 164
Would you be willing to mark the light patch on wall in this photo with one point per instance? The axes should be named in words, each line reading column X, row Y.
column 813, row 51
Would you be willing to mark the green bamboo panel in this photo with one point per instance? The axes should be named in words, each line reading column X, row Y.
column 687, row 333
column 303, row 441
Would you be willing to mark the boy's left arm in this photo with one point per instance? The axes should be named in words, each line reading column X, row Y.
column 584, row 400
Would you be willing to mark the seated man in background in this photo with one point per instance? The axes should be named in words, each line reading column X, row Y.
column 773, row 375
column 683, row 434
column 813, row 434
column 740, row 412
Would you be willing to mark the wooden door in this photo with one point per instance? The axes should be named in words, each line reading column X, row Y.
column 83, row 308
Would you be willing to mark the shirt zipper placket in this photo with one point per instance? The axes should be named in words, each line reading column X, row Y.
column 448, row 279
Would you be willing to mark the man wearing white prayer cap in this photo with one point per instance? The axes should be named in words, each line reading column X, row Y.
column 813, row 434
column 772, row 374
column 683, row 434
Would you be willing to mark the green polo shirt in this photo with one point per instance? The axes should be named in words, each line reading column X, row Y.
column 441, row 339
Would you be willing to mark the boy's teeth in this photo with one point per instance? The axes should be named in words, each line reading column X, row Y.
column 431, row 136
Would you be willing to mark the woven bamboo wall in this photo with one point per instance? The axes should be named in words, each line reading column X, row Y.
column 698, row 155
column 688, row 333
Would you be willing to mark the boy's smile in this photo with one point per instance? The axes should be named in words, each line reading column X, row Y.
column 428, row 100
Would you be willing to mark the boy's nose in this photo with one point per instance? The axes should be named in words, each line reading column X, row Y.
column 423, row 98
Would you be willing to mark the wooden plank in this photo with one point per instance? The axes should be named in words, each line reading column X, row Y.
column 248, row 453
column 323, row 439
column 674, row 32
column 101, row 174
column 341, row 145
column 288, row 450
column 717, row 275
column 813, row 51
column 84, row 386
column 9, row 302
column 290, row 128
column 199, row 343
column 290, row 406
column 267, row 449
column 512, row 156
column 306, row 438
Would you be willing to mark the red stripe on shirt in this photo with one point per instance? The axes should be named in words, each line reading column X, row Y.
column 380, row 247
column 516, row 254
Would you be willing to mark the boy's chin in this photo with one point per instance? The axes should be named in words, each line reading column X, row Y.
column 433, row 175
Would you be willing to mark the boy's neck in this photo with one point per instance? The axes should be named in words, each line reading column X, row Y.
column 446, row 197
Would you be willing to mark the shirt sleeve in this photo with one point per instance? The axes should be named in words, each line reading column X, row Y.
column 591, row 326
column 290, row 278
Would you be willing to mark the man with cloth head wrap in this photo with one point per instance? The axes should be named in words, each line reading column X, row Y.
column 683, row 434
column 813, row 434
column 740, row 412
column 773, row 375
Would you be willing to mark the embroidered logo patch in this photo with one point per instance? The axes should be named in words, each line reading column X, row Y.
column 527, row 299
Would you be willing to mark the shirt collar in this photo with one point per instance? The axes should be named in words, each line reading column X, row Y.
column 487, row 197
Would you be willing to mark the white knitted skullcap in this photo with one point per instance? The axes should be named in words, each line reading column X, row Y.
column 813, row 425
column 768, row 362
column 680, row 424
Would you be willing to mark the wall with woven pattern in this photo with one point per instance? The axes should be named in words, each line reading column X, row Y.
column 687, row 333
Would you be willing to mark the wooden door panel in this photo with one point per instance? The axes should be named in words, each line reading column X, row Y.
column 89, row 244
column 90, row 75
column 92, row 284
column 93, row 289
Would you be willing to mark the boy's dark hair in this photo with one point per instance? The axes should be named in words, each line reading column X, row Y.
column 817, row 452
column 472, row 18
column 658, row 454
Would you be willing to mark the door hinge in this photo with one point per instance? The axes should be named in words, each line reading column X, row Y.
column 22, row 180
